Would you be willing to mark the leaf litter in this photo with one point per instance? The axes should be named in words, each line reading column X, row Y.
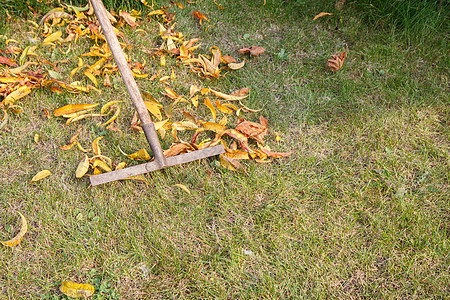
column 23, row 70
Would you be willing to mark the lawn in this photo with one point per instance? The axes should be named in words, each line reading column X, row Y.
column 360, row 209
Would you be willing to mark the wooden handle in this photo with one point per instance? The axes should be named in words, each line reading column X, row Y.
column 121, row 61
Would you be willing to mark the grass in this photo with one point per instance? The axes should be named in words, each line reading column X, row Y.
column 359, row 210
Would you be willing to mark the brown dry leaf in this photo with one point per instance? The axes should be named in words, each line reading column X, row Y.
column 176, row 149
column 227, row 59
column 337, row 61
column 40, row 175
column 241, row 92
column 76, row 290
column 253, row 130
column 253, row 50
column 18, row 238
column 73, row 141
column 270, row 153
column 200, row 16
column 83, row 167
column 320, row 15
column 128, row 18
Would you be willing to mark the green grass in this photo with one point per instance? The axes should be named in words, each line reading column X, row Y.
column 359, row 210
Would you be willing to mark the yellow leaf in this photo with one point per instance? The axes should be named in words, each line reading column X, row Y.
column 229, row 163
column 96, row 147
column 277, row 137
column 91, row 77
column 116, row 114
column 223, row 121
column 227, row 97
column 100, row 163
column 40, row 175
column 120, row 166
column 195, row 101
column 83, row 167
column 236, row 66
column 183, row 187
column 154, row 108
column 170, row 93
column 51, row 38
column 76, row 290
column 36, row 138
column 321, row 15
column 139, row 155
column 211, row 108
column 16, row 240
column 193, row 90
column 72, row 108
column 223, row 108
column 163, row 60
column 107, row 105
column 17, row 94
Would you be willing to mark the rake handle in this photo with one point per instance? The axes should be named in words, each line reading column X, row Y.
column 130, row 83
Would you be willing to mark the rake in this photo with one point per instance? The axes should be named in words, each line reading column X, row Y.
column 160, row 161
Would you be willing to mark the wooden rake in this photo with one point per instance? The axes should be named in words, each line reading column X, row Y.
column 160, row 161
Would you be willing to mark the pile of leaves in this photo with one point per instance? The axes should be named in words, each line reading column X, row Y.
column 62, row 29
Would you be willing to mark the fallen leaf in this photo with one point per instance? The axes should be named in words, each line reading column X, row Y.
column 36, row 138
column 200, row 16
column 320, row 15
column 337, row 61
column 76, row 290
column 229, row 163
column 241, row 92
column 40, row 175
column 139, row 155
column 236, row 66
column 227, row 97
column 83, row 167
column 17, row 94
column 128, row 18
column 183, row 187
column 211, row 108
column 72, row 108
column 253, row 50
column 18, row 238
column 253, row 130
column 96, row 147
column 7, row 61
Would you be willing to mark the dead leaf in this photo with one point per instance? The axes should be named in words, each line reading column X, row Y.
column 76, row 290
column 236, row 66
column 253, row 50
column 96, row 147
column 141, row 155
column 211, row 108
column 128, row 18
column 200, row 16
column 40, row 175
column 337, row 61
column 227, row 97
column 7, row 61
column 183, row 187
column 229, row 163
column 253, row 130
column 320, row 15
column 83, row 167
column 241, row 92
column 18, row 238
column 72, row 108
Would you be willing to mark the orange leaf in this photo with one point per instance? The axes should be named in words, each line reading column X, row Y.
column 211, row 108
column 337, row 61
column 253, row 50
column 253, row 130
column 321, row 15
column 72, row 108
column 200, row 16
